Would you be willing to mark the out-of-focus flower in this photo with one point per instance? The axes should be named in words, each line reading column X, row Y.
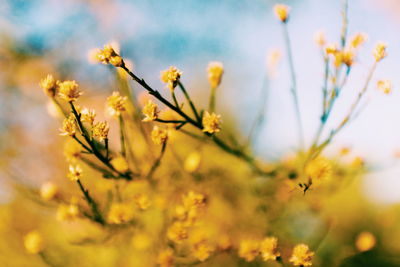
column 331, row 49
column 171, row 77
column 72, row 150
column 69, row 91
column 202, row 250
column 141, row 241
column 143, row 201
column 192, row 199
column 74, row 172
column 177, row 232
column 48, row 191
column 211, row 123
column 67, row 212
column 120, row 164
column 357, row 40
column 282, row 12
column 150, row 111
column 365, row 241
column 100, row 130
column 49, row 85
column 120, row 213
column 319, row 169
column 269, row 248
column 88, row 115
column 116, row 104
column 192, row 162
column 215, row 70
column 357, row 162
column 302, row 255
column 166, row 258
column 249, row 249
column 69, row 126
column 33, row 242
column 319, row 38
column 273, row 58
column 385, row 86
column 344, row 151
column 380, row 51
column 159, row 136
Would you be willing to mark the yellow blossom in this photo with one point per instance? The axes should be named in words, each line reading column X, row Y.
column 357, row 162
column 215, row 71
column 269, row 248
column 166, row 258
column 193, row 200
column 49, row 85
column 319, row 38
column 116, row 104
column 33, row 242
column 72, row 150
column 171, row 77
column 67, row 212
column 331, row 49
column 120, row 164
column 100, row 130
column 192, row 162
column 74, row 172
column 301, row 256
column 177, row 232
column 150, row 111
column 48, row 191
column 358, row 39
column 344, row 151
column 69, row 126
column 282, row 12
column 69, row 91
column 159, row 136
column 120, row 213
column 319, row 169
column 202, row 250
column 143, row 201
column 365, row 241
column 273, row 58
column 109, row 56
column 380, row 51
column 211, row 123
column 249, row 249
column 385, row 86
column 88, row 115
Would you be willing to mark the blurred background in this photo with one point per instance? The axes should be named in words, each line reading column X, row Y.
column 39, row 37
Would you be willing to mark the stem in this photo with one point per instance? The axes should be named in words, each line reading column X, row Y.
column 211, row 105
column 174, row 98
column 156, row 164
column 190, row 101
column 345, row 23
column 82, row 144
column 294, row 84
column 122, row 135
column 107, row 150
column 96, row 213
column 170, row 121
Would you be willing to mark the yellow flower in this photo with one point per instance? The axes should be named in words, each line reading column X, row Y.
column 116, row 104
column 273, row 58
column 74, row 172
column 365, row 241
column 211, row 123
column 171, row 77
column 159, row 136
column 319, row 38
column 69, row 126
column 249, row 249
column 120, row 164
column 48, row 191
column 166, row 258
column 282, row 12
column 67, row 212
column 49, row 85
column 269, row 248
column 88, row 115
column 100, row 130
column 72, row 150
column 150, row 111
column 33, row 242
column 192, row 162
column 331, row 49
column 143, row 201
column 193, row 200
column 380, row 51
column 344, row 151
column 385, row 86
column 177, row 232
column 358, row 39
column 319, row 169
column 215, row 71
column 202, row 250
column 348, row 57
column 301, row 256
column 109, row 56
column 120, row 213
column 69, row 91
